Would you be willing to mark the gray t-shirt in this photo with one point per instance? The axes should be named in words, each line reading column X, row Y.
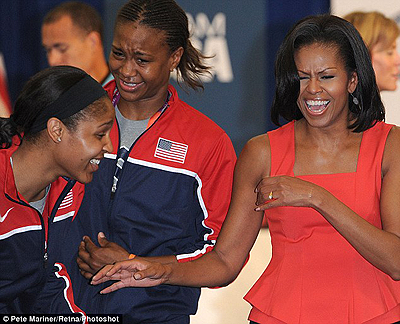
column 39, row 204
column 130, row 130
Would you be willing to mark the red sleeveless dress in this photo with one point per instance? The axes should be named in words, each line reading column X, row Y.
column 315, row 276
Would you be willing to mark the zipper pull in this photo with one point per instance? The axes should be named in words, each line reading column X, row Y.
column 45, row 258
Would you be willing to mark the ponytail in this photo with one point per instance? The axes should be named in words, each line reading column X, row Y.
column 8, row 129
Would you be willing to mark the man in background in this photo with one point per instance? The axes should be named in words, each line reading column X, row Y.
column 72, row 34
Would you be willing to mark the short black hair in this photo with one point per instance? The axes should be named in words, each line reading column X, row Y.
column 82, row 15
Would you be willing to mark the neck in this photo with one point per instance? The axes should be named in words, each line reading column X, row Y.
column 142, row 109
column 326, row 138
column 32, row 172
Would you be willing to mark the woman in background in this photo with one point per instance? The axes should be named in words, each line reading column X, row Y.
column 380, row 34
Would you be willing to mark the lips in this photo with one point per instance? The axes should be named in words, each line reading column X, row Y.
column 129, row 86
column 317, row 106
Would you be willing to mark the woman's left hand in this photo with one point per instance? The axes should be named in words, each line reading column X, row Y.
column 132, row 273
column 285, row 191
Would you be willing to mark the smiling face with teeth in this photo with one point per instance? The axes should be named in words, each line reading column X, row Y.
column 141, row 62
column 81, row 148
column 324, row 85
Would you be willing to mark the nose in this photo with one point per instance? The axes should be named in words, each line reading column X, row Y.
column 397, row 58
column 54, row 58
column 313, row 85
column 108, row 147
column 128, row 69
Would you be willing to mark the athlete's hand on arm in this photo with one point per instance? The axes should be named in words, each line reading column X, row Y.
column 132, row 273
column 91, row 257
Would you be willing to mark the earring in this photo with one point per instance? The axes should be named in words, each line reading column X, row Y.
column 59, row 139
column 356, row 108
column 355, row 100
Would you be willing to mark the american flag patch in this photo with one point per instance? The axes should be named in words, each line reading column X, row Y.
column 171, row 151
column 67, row 201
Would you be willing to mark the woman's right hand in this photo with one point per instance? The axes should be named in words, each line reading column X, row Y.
column 132, row 273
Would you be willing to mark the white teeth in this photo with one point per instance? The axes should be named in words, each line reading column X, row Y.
column 317, row 102
column 130, row 84
column 317, row 106
column 95, row 161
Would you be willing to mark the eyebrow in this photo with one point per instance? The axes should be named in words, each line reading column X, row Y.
column 110, row 122
column 56, row 45
column 322, row 71
column 60, row 44
column 139, row 53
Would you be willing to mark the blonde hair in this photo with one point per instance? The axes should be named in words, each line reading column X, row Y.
column 374, row 28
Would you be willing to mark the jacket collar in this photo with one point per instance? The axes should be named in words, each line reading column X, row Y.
column 10, row 188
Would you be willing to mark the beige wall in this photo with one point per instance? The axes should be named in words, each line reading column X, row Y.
column 226, row 305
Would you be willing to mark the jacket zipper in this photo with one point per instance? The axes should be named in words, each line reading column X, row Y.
column 133, row 144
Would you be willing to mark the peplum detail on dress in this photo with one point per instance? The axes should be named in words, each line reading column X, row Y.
column 315, row 275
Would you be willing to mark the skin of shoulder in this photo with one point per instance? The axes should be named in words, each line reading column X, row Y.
column 390, row 202
column 257, row 154
column 391, row 149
